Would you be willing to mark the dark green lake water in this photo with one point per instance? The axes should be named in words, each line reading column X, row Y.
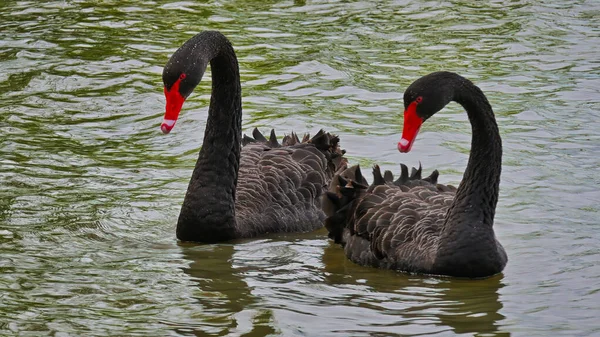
column 90, row 189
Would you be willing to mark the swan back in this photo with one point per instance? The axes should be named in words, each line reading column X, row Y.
column 280, row 185
column 389, row 224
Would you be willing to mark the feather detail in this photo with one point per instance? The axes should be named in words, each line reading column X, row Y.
column 399, row 220
column 281, row 185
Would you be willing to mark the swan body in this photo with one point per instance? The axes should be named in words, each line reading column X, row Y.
column 243, row 187
column 414, row 224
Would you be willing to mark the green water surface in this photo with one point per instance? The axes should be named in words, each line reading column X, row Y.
column 90, row 189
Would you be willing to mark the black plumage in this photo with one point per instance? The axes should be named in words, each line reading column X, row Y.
column 414, row 224
column 244, row 186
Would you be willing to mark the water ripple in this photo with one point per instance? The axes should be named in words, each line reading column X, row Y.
column 91, row 189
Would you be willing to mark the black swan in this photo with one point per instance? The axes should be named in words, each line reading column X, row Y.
column 414, row 224
column 243, row 187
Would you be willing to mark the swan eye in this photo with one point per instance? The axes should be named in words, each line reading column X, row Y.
column 419, row 99
column 182, row 76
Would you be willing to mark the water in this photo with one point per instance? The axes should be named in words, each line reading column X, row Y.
column 90, row 188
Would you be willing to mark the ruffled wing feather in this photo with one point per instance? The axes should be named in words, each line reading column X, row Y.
column 280, row 185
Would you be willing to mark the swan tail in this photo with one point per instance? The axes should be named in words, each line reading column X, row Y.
column 329, row 145
column 325, row 142
column 344, row 201
column 338, row 204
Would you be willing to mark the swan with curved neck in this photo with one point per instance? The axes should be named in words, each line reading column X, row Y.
column 414, row 224
column 242, row 191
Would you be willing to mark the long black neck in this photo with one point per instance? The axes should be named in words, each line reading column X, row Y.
column 208, row 213
column 470, row 218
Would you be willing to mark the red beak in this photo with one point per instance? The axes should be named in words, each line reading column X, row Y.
column 173, row 108
column 412, row 124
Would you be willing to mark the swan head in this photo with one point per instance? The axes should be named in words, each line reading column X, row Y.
column 174, row 104
column 422, row 99
column 180, row 77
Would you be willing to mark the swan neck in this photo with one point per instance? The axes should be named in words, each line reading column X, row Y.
column 222, row 136
column 477, row 195
column 208, row 212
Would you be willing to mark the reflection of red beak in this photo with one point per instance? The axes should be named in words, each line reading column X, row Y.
column 173, row 108
column 412, row 124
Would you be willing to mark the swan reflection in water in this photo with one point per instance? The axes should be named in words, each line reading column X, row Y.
column 301, row 285
column 441, row 303
column 228, row 307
